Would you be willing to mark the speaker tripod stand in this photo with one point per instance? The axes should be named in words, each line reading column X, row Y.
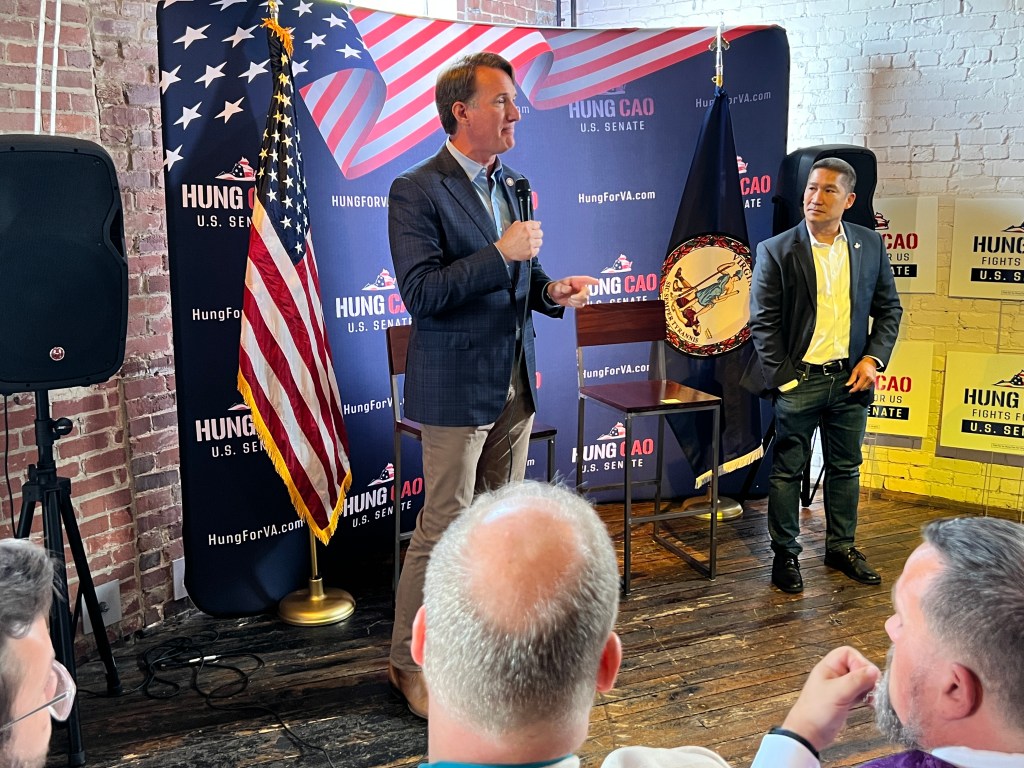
column 44, row 487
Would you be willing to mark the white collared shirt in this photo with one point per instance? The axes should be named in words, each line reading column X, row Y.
column 779, row 751
column 831, row 337
column 978, row 758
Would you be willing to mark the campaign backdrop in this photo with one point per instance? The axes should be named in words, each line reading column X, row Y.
column 610, row 122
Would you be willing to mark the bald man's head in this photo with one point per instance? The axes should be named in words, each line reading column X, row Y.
column 524, row 554
column 521, row 596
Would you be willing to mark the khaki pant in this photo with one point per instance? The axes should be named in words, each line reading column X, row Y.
column 458, row 464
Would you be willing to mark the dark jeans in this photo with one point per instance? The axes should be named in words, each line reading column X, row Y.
column 843, row 418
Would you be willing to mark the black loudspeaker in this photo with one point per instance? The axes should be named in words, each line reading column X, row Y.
column 63, row 271
column 796, row 167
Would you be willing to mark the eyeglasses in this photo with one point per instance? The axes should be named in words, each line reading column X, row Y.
column 60, row 705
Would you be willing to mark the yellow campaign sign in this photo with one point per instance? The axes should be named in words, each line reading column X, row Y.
column 909, row 229
column 983, row 402
column 903, row 392
column 987, row 260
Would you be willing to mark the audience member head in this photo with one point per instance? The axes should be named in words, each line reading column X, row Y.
column 457, row 83
column 28, row 678
column 954, row 675
column 515, row 634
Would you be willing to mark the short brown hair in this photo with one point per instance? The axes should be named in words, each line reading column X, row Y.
column 457, row 82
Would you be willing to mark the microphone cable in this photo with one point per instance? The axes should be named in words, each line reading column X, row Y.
column 524, row 199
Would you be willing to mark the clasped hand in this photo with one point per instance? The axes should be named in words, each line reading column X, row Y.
column 521, row 241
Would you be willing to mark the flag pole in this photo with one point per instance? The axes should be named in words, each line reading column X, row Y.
column 728, row 509
column 718, row 47
column 281, row 267
column 315, row 606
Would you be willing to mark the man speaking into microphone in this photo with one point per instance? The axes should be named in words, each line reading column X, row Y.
column 465, row 255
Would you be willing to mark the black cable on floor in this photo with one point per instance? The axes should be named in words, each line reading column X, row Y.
column 194, row 654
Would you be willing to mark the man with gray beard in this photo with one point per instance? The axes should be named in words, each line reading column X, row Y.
column 953, row 687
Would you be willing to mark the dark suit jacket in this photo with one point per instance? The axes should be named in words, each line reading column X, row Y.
column 783, row 301
column 456, row 286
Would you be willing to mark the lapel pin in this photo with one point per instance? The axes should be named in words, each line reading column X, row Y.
column 856, row 245
column 509, row 182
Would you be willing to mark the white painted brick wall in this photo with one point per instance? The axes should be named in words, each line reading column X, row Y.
column 935, row 88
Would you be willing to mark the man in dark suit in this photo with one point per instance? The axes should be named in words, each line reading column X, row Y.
column 815, row 289
column 468, row 273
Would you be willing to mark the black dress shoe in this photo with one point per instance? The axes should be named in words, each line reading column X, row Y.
column 852, row 563
column 786, row 573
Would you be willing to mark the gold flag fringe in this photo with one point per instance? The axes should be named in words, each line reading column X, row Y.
column 731, row 466
column 323, row 534
column 282, row 33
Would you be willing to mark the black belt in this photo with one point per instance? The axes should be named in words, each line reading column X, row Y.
column 831, row 368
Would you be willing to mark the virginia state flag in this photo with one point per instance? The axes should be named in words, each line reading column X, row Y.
column 705, row 282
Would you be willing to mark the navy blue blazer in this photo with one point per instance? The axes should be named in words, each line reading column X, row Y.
column 783, row 303
column 456, row 286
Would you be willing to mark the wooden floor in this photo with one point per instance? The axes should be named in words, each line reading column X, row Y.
column 709, row 663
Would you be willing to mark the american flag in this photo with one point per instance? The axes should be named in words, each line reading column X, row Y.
column 367, row 77
column 285, row 371
column 370, row 115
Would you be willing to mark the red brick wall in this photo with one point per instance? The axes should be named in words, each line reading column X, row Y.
column 122, row 455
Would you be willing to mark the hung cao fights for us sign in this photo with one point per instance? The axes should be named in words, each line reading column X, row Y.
column 988, row 249
column 908, row 226
column 983, row 403
column 903, row 392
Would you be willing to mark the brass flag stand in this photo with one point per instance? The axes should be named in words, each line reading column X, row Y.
column 728, row 509
column 318, row 605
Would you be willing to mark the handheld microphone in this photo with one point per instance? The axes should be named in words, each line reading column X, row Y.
column 525, row 197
